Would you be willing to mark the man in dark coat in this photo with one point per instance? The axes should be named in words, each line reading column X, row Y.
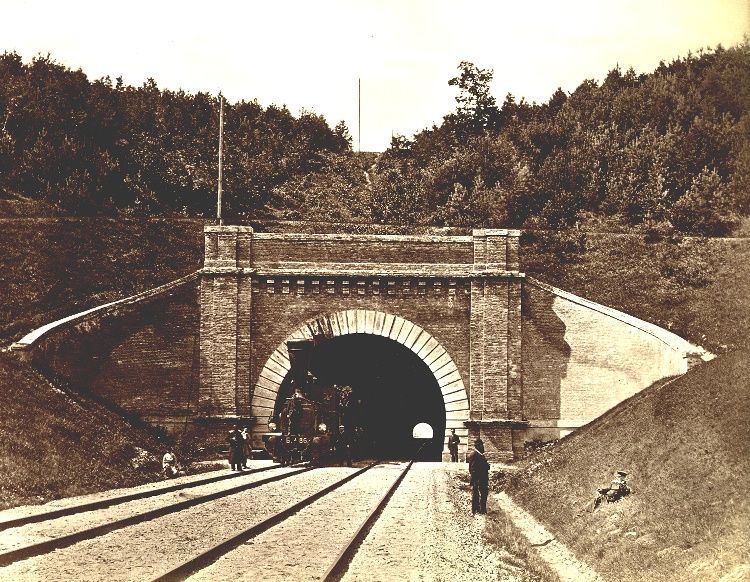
column 295, row 412
column 236, row 449
column 344, row 446
column 453, row 441
column 479, row 469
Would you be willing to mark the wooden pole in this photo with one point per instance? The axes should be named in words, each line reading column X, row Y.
column 359, row 115
column 221, row 152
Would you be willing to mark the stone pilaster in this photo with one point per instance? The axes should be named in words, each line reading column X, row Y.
column 225, row 338
column 495, row 337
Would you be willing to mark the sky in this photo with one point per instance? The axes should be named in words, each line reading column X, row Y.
column 401, row 53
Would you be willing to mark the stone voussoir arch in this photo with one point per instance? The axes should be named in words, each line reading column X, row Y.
column 365, row 321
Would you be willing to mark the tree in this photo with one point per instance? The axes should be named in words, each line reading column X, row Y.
column 477, row 109
column 706, row 208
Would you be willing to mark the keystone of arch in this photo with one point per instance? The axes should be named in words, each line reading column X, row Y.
column 410, row 335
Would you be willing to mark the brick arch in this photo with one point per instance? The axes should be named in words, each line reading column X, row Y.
column 405, row 332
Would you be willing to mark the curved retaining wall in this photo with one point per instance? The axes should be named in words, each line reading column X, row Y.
column 580, row 358
column 138, row 354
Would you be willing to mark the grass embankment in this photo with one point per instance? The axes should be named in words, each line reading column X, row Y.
column 686, row 447
column 53, row 267
column 52, row 443
column 685, row 444
column 55, row 444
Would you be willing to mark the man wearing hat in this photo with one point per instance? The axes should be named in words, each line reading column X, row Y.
column 236, row 449
column 479, row 469
column 453, row 441
column 616, row 490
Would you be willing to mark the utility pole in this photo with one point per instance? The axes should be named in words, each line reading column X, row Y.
column 359, row 114
column 221, row 152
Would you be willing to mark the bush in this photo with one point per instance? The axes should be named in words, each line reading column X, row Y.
column 687, row 264
column 706, row 208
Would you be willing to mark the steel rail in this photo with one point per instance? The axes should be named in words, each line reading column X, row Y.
column 183, row 571
column 339, row 566
column 102, row 503
column 70, row 539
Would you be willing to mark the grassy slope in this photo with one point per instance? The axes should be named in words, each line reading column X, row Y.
column 52, row 445
column 698, row 288
column 55, row 267
column 686, row 446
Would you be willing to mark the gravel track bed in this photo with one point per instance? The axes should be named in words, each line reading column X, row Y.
column 427, row 532
column 26, row 510
column 44, row 531
column 305, row 545
column 152, row 548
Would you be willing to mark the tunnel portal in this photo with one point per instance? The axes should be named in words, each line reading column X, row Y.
column 392, row 391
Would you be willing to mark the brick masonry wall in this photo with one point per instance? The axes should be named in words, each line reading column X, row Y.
column 580, row 359
column 281, row 281
column 142, row 360
column 276, row 248
column 278, row 314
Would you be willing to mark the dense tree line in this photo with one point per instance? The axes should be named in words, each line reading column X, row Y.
column 667, row 148
column 91, row 147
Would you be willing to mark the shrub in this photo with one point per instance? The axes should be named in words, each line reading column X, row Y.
column 706, row 208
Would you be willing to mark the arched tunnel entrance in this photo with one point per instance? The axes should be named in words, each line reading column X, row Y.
column 392, row 390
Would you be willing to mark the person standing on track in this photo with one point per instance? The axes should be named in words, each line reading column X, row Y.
column 246, row 450
column 236, row 449
column 453, row 441
column 479, row 469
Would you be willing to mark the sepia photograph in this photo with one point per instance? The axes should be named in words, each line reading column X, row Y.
column 375, row 291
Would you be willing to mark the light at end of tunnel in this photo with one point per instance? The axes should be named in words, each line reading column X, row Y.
column 422, row 431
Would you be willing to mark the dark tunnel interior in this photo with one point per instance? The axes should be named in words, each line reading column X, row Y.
column 392, row 391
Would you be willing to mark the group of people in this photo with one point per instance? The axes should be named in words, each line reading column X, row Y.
column 240, row 448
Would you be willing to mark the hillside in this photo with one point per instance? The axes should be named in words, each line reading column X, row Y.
column 54, row 442
column 686, row 447
column 53, row 267
column 696, row 287
column 57, row 444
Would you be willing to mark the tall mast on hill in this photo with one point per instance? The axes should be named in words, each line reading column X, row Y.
column 221, row 151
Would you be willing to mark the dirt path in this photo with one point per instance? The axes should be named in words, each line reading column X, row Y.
column 558, row 556
column 427, row 533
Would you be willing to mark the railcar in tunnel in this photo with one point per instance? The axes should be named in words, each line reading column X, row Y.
column 373, row 387
column 305, row 429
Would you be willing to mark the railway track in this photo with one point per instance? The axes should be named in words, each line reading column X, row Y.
column 297, row 524
column 111, row 501
column 320, row 505
column 35, row 549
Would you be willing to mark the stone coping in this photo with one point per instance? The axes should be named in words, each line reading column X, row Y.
column 477, row 233
column 425, row 270
column 27, row 342
column 520, row 423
